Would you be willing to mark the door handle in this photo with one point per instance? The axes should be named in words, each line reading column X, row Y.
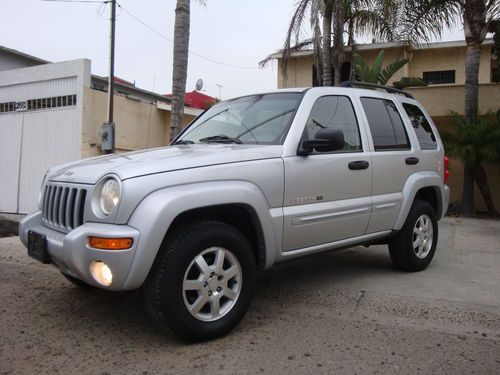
column 411, row 160
column 360, row 164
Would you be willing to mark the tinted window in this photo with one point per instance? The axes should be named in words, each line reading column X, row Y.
column 335, row 112
column 423, row 129
column 261, row 119
column 386, row 126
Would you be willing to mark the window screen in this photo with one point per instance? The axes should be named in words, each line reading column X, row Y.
column 386, row 126
column 423, row 129
column 335, row 112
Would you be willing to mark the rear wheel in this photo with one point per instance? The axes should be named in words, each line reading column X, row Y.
column 202, row 282
column 413, row 248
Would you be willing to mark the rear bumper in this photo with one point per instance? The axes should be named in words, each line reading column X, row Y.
column 445, row 199
column 71, row 254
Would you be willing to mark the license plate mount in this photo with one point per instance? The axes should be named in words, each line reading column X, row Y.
column 37, row 247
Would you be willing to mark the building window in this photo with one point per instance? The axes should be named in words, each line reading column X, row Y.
column 439, row 77
column 8, row 107
column 54, row 102
column 495, row 75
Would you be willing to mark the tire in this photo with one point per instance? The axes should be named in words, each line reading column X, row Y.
column 201, row 263
column 79, row 283
column 421, row 225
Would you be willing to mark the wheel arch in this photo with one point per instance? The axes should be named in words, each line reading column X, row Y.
column 156, row 213
column 240, row 216
column 425, row 186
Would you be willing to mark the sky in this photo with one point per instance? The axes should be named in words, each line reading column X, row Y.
column 239, row 33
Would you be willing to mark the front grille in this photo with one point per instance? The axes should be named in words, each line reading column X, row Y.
column 63, row 206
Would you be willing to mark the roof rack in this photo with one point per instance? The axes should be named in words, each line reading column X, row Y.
column 375, row 86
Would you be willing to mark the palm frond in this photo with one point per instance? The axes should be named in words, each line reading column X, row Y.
column 293, row 32
column 425, row 19
column 474, row 142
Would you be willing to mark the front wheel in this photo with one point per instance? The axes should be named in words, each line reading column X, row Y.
column 202, row 282
column 413, row 248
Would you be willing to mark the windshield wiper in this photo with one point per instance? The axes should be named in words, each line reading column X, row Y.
column 221, row 138
column 183, row 142
column 318, row 124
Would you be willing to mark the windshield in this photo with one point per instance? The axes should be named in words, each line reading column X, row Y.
column 256, row 119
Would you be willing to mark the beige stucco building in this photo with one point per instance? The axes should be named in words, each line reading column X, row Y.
column 442, row 65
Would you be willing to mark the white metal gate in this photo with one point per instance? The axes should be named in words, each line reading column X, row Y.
column 40, row 126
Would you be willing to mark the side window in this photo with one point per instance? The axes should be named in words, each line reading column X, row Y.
column 335, row 112
column 386, row 126
column 423, row 129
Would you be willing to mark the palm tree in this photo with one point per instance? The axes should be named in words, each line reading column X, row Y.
column 428, row 18
column 476, row 143
column 361, row 17
column 376, row 18
column 180, row 65
column 318, row 11
column 179, row 72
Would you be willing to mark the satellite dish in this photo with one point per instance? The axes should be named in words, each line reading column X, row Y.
column 199, row 85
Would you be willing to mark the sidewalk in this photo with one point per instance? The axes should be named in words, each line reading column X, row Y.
column 9, row 225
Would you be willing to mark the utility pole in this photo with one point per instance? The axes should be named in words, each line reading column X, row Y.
column 108, row 129
column 220, row 92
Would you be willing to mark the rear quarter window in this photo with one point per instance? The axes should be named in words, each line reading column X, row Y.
column 423, row 130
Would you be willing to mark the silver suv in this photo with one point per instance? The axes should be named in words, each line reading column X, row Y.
column 251, row 182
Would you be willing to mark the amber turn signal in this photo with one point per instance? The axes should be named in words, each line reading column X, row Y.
column 110, row 243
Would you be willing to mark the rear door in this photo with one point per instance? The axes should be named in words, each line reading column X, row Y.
column 327, row 195
column 393, row 158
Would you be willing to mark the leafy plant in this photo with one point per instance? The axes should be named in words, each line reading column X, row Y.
column 476, row 143
column 375, row 73
column 405, row 82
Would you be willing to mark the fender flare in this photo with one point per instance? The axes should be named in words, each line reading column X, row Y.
column 156, row 212
column 413, row 184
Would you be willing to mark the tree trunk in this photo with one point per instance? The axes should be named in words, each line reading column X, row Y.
column 338, row 40
column 475, row 27
column 354, row 50
column 482, row 183
column 179, row 74
column 472, row 58
column 471, row 113
column 326, row 44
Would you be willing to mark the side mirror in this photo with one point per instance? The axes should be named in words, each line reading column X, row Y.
column 325, row 140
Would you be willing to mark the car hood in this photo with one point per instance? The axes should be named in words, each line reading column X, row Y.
column 139, row 163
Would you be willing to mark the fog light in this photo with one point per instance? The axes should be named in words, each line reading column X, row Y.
column 101, row 272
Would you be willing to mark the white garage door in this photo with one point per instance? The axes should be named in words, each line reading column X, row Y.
column 36, row 132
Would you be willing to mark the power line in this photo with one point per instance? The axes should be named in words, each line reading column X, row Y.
column 153, row 30
column 80, row 1
column 190, row 51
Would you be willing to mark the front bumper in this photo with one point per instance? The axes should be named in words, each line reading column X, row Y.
column 71, row 254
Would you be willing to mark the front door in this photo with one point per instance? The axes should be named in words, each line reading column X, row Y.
column 327, row 195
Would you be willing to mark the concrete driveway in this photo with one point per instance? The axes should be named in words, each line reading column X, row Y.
column 348, row 312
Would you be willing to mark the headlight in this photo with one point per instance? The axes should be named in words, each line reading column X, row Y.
column 40, row 194
column 107, row 196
